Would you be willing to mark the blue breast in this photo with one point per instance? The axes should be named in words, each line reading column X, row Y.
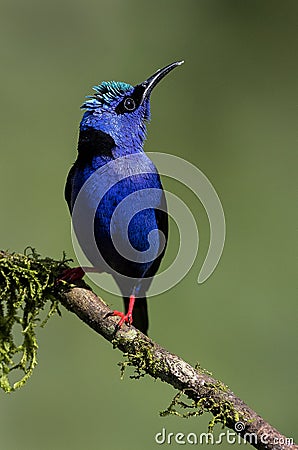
column 131, row 223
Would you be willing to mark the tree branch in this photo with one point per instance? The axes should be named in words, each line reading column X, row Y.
column 146, row 355
column 28, row 282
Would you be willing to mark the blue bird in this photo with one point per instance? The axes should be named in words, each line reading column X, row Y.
column 110, row 151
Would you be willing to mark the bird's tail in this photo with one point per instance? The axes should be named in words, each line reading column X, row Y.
column 140, row 313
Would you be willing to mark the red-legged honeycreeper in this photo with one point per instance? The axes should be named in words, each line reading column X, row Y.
column 110, row 147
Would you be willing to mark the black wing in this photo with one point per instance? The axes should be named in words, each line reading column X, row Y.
column 163, row 225
column 68, row 187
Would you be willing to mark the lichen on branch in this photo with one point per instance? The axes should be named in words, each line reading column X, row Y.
column 27, row 284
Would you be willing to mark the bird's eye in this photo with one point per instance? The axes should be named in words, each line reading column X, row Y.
column 129, row 104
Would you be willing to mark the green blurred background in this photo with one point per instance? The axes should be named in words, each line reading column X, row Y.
column 231, row 110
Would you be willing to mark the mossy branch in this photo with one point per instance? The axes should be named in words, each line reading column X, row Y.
column 27, row 282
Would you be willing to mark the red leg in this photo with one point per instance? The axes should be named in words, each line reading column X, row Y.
column 76, row 273
column 127, row 318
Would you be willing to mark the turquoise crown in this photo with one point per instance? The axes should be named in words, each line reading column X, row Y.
column 106, row 93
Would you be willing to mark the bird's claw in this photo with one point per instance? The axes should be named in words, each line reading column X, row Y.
column 124, row 318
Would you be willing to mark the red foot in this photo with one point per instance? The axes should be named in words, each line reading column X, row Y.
column 76, row 273
column 125, row 318
column 73, row 274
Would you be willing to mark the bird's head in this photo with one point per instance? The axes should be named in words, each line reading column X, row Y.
column 122, row 110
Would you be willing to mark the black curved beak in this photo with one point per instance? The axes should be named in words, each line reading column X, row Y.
column 152, row 81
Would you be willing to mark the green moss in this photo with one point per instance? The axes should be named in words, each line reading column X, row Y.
column 223, row 411
column 142, row 359
column 27, row 284
column 190, row 408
